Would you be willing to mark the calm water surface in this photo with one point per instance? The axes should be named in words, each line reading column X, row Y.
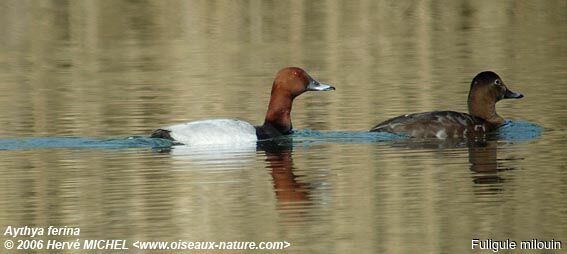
column 80, row 77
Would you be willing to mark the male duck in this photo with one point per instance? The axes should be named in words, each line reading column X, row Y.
column 289, row 83
column 487, row 88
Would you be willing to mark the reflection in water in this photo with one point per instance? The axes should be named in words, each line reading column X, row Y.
column 482, row 157
column 116, row 68
column 484, row 163
column 278, row 158
column 235, row 155
column 280, row 163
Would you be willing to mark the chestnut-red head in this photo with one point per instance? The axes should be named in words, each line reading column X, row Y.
column 289, row 83
column 295, row 81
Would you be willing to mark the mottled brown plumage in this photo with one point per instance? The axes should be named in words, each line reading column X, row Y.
column 486, row 90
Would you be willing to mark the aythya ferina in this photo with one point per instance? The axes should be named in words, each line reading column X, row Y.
column 487, row 88
column 289, row 83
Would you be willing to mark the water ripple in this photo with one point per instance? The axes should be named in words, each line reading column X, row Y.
column 511, row 131
column 80, row 142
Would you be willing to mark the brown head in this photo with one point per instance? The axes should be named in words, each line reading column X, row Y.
column 487, row 88
column 289, row 83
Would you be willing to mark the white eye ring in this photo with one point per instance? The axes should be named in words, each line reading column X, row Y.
column 497, row 82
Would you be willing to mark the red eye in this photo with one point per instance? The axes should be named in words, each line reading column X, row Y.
column 295, row 73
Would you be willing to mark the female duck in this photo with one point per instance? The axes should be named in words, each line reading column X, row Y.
column 289, row 83
column 486, row 89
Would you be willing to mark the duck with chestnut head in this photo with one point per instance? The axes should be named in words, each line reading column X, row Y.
column 289, row 83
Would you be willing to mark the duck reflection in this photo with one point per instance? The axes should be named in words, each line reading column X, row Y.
column 290, row 193
column 482, row 154
column 279, row 161
column 483, row 159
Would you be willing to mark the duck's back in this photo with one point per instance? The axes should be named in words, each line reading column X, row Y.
column 207, row 132
column 436, row 124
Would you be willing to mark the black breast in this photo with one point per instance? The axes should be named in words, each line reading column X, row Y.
column 268, row 131
column 161, row 133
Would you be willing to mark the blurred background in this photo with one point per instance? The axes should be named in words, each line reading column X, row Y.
column 107, row 69
column 100, row 68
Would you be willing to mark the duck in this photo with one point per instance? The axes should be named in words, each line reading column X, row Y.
column 289, row 83
column 486, row 89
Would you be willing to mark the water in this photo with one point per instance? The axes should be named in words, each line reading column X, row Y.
column 83, row 83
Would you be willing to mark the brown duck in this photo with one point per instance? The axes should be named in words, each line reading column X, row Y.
column 487, row 88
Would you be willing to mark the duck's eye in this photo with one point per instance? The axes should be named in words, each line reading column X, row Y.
column 497, row 82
